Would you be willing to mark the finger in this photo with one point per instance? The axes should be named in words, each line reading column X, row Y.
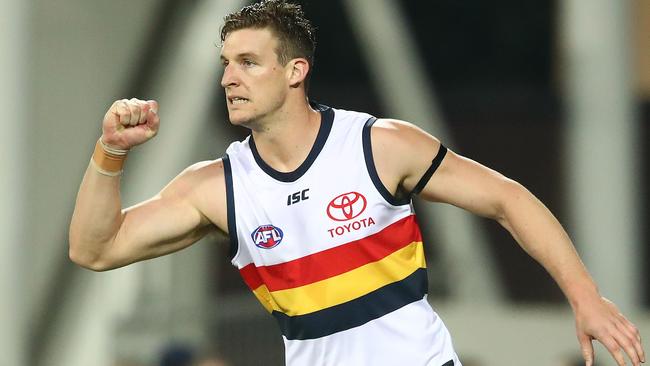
column 144, row 112
column 114, row 107
column 631, row 334
column 123, row 112
column 587, row 349
column 153, row 121
column 135, row 112
column 153, row 105
column 625, row 343
column 613, row 347
column 628, row 324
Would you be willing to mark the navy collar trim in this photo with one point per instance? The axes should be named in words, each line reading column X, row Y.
column 326, row 121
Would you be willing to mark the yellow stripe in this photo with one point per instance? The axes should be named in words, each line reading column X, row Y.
column 263, row 295
column 346, row 286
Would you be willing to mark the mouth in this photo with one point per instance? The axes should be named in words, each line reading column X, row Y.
column 237, row 100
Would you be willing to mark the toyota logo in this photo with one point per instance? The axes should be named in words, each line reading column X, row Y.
column 346, row 206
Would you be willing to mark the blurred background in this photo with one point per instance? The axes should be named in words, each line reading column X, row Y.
column 554, row 94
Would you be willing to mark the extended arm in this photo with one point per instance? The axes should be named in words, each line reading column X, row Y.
column 407, row 152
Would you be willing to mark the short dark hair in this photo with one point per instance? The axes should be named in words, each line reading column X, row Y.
column 288, row 23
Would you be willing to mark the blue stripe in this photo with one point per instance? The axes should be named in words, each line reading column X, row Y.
column 356, row 312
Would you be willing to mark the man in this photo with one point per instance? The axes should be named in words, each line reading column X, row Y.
column 317, row 206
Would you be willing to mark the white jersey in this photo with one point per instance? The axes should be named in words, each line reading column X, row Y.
column 332, row 255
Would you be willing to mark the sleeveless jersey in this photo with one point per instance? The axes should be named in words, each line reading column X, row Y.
column 332, row 255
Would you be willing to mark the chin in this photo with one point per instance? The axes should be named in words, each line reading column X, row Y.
column 239, row 119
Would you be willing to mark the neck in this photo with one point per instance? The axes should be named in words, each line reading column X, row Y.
column 285, row 139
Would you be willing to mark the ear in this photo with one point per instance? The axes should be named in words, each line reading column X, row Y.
column 297, row 70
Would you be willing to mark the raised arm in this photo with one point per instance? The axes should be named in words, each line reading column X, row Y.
column 403, row 153
column 103, row 235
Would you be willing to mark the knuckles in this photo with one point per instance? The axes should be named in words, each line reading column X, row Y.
column 124, row 115
column 133, row 111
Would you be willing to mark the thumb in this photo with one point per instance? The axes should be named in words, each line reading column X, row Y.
column 587, row 349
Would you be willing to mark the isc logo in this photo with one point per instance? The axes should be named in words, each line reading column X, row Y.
column 297, row 197
column 267, row 236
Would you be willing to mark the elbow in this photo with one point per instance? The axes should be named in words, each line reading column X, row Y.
column 87, row 262
column 511, row 193
column 86, row 259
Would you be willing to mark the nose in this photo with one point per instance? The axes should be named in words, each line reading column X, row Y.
column 229, row 77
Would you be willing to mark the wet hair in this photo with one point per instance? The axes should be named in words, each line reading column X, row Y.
column 286, row 21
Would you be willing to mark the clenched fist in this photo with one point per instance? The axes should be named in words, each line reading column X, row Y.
column 130, row 122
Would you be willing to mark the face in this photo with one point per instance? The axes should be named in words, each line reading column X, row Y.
column 255, row 83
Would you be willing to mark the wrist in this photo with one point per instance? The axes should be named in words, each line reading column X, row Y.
column 112, row 149
column 583, row 295
column 108, row 160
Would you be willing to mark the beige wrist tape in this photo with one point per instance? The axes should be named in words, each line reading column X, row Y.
column 108, row 161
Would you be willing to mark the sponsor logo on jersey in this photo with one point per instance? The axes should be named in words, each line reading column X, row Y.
column 346, row 206
column 267, row 236
column 351, row 226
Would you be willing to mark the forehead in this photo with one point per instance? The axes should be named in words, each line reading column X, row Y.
column 249, row 41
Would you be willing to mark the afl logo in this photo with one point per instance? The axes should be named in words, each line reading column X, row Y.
column 346, row 206
column 267, row 236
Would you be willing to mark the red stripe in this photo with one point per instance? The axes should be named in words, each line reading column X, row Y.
column 251, row 277
column 333, row 261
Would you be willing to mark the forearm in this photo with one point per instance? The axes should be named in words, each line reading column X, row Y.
column 471, row 186
column 540, row 234
column 97, row 216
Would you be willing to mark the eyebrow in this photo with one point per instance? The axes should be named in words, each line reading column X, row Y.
column 241, row 55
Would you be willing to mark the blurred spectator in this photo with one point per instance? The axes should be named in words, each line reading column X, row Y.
column 176, row 354
column 127, row 363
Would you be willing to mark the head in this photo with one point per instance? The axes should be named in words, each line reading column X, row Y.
column 268, row 53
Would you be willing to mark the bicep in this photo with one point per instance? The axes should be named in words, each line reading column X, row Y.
column 156, row 227
column 403, row 154
column 469, row 185
column 168, row 222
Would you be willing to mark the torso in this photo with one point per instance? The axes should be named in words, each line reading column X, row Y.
column 330, row 252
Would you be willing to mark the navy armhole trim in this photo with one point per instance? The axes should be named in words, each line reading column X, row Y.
column 372, row 170
column 442, row 151
column 230, row 207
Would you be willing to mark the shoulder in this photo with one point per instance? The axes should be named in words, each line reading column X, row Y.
column 201, row 173
column 198, row 183
column 238, row 147
column 397, row 140
column 402, row 152
column 202, row 185
column 206, row 169
column 388, row 130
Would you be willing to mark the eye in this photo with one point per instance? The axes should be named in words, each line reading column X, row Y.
column 224, row 63
column 248, row 63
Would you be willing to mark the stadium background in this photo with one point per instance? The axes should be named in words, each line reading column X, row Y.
column 553, row 94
